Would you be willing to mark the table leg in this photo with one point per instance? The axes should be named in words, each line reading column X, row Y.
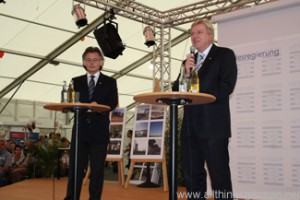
column 173, row 150
column 76, row 152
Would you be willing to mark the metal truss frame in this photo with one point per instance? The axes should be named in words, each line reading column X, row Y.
column 164, row 20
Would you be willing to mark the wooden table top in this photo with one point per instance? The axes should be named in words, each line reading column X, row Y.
column 67, row 106
column 188, row 98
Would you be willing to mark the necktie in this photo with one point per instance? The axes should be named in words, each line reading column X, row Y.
column 200, row 61
column 91, row 86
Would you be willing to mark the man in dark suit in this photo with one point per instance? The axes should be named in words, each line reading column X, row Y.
column 206, row 128
column 93, row 136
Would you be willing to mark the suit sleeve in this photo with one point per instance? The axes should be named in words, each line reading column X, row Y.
column 112, row 96
column 227, row 76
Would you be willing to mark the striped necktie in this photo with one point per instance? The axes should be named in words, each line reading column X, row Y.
column 91, row 86
column 200, row 61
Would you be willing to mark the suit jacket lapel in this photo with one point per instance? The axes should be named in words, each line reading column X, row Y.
column 208, row 58
column 98, row 84
column 85, row 86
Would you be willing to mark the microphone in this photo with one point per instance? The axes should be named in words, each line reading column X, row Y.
column 192, row 51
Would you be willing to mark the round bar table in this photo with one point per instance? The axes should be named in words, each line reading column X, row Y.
column 173, row 99
column 76, row 108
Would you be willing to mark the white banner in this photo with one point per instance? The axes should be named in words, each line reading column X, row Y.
column 265, row 106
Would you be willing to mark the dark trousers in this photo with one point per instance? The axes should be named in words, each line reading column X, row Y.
column 95, row 154
column 214, row 152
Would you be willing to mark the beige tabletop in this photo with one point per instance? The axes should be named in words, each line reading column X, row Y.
column 67, row 106
column 189, row 98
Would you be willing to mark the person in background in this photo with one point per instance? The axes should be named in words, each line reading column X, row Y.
column 51, row 140
column 128, row 147
column 206, row 128
column 58, row 138
column 93, row 137
column 11, row 146
column 42, row 142
column 65, row 156
column 19, row 165
column 5, row 163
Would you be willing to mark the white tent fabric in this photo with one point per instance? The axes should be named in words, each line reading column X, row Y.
column 31, row 29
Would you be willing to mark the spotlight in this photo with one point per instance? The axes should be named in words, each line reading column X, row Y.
column 79, row 16
column 149, row 36
column 109, row 40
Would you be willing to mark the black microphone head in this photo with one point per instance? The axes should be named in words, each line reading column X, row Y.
column 192, row 49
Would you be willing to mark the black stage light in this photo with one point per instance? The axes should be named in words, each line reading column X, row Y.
column 109, row 40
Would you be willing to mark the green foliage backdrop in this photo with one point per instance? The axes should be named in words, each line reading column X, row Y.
column 180, row 180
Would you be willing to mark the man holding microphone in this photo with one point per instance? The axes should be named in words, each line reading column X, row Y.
column 206, row 128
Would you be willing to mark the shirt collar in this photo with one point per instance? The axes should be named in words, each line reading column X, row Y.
column 96, row 76
column 206, row 51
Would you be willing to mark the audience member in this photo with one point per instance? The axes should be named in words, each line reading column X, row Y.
column 51, row 140
column 5, row 163
column 65, row 143
column 10, row 146
column 57, row 138
column 42, row 142
column 19, row 165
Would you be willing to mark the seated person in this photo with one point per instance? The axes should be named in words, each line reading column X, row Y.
column 65, row 156
column 10, row 146
column 5, row 162
column 19, row 165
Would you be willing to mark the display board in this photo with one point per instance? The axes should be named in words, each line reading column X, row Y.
column 116, row 133
column 148, row 132
column 147, row 147
column 265, row 106
column 139, row 174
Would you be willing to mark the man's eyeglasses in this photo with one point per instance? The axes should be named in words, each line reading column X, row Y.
column 94, row 60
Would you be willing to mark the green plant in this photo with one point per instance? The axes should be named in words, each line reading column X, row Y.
column 180, row 179
column 43, row 161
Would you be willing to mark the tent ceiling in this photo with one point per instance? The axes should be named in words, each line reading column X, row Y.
column 35, row 32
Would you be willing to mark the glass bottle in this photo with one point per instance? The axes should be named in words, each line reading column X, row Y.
column 71, row 92
column 182, row 80
column 64, row 93
column 195, row 81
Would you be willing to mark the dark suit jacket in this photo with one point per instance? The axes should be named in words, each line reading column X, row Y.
column 218, row 76
column 94, row 127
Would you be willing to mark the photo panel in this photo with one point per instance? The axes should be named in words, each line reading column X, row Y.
column 114, row 147
column 148, row 132
column 116, row 133
column 156, row 129
column 154, row 147
column 157, row 112
column 117, row 115
column 116, row 130
column 139, row 174
column 139, row 146
column 141, row 129
column 142, row 112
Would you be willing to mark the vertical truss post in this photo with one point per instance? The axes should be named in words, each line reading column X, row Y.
column 162, row 58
